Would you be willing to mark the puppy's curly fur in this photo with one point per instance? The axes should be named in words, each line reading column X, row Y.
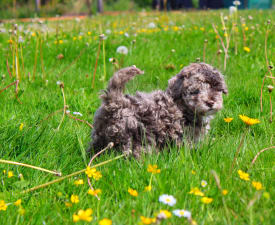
column 148, row 121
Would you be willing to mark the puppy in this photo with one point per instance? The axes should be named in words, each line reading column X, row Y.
column 147, row 122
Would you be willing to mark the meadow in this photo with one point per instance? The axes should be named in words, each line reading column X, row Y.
column 51, row 75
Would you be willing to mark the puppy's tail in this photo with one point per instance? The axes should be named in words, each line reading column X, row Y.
column 117, row 82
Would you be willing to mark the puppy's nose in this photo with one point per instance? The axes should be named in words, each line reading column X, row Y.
column 209, row 103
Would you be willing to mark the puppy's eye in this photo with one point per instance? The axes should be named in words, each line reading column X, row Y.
column 195, row 92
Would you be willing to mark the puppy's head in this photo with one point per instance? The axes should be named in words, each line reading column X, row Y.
column 200, row 87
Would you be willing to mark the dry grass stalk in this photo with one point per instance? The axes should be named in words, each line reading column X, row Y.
column 64, row 105
column 110, row 145
column 30, row 166
column 260, row 152
column 70, row 175
column 97, row 56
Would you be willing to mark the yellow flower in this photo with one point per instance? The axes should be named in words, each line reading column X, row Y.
column 133, row 192
column 3, row 205
column 105, row 221
column 60, row 41
column 246, row 49
column 193, row 172
column 68, row 204
column 246, row 28
column 153, row 169
column 196, row 191
column 4, row 171
column 74, row 38
column 55, row 42
column 249, row 121
column 74, row 199
column 206, row 200
column 80, row 37
column 10, row 174
column 243, row 175
column 228, row 119
column 148, row 188
column 84, row 215
column 175, row 28
column 94, row 192
column 33, row 34
column 224, row 192
column 257, row 185
column 89, row 33
column 226, row 35
column 79, row 182
column 146, row 220
column 202, row 29
column 164, row 214
column 21, row 126
column 91, row 172
column 18, row 202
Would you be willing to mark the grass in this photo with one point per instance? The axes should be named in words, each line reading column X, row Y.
column 39, row 143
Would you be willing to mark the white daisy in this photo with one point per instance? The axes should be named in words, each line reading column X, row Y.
column 182, row 213
column 122, row 50
column 167, row 199
column 108, row 31
column 151, row 25
column 203, row 183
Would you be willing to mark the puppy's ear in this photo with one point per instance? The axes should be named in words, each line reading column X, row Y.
column 224, row 90
column 175, row 86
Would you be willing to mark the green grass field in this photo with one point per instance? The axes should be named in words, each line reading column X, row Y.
column 41, row 54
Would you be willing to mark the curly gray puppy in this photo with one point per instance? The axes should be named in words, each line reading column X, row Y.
column 147, row 122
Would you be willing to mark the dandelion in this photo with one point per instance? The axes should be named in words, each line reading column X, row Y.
column 193, row 172
column 94, row 192
column 243, row 175
column 74, row 38
column 206, row 200
column 224, row 192
column 74, row 199
column 249, row 121
column 257, row 185
column 164, row 214
column 146, row 220
column 246, row 49
column 60, row 41
column 203, row 183
column 232, row 10
column 167, row 199
column 79, row 182
column 122, row 50
column 182, row 213
column 236, row 3
column 153, row 169
column 228, row 119
column 84, row 215
column 196, row 191
column 18, row 202
column 21, row 126
column 10, row 41
column 105, row 221
column 3, row 205
column 33, row 34
column 92, row 172
column 148, row 188
column 89, row 33
column 132, row 192
column 10, row 174
column 77, row 113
